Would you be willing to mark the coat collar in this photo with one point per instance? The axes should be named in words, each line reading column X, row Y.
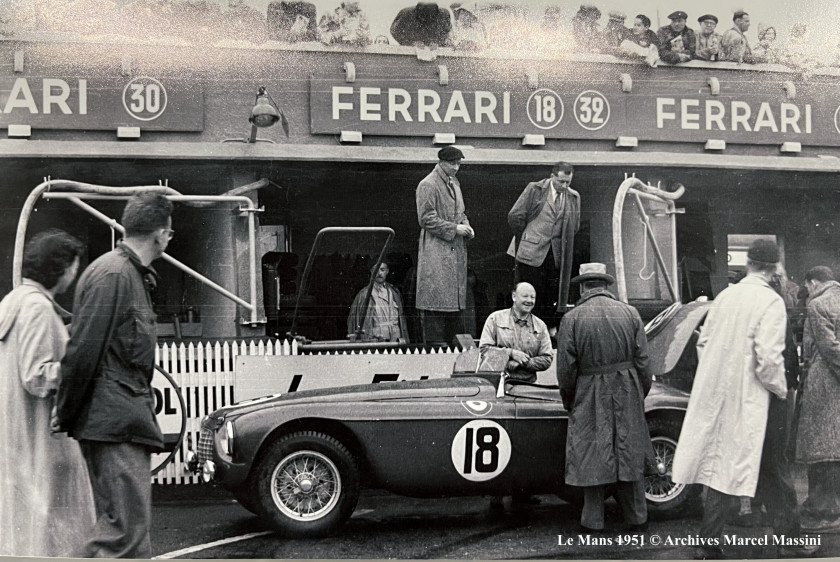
column 824, row 288
column 150, row 276
column 595, row 293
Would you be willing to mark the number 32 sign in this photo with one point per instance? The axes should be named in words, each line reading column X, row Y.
column 144, row 98
column 480, row 450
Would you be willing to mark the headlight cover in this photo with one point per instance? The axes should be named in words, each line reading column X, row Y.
column 226, row 438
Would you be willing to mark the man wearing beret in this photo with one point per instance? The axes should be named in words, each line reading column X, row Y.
column 734, row 45
column 544, row 221
column 708, row 42
column 741, row 364
column 677, row 42
column 442, row 252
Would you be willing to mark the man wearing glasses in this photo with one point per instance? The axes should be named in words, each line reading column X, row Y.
column 105, row 399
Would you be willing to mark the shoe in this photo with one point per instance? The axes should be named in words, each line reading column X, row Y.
column 753, row 519
column 709, row 553
column 821, row 526
column 798, row 551
column 497, row 503
column 525, row 500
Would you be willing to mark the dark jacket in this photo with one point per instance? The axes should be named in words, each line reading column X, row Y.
column 818, row 426
column 602, row 370
column 529, row 205
column 105, row 392
column 666, row 37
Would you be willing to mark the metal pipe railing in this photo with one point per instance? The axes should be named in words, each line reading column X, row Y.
column 79, row 191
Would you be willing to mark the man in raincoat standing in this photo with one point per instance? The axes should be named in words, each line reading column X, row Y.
column 740, row 365
column 602, row 370
column 442, row 251
column 817, row 444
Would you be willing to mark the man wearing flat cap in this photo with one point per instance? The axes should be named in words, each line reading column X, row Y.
column 602, row 371
column 740, row 366
column 544, row 221
column 442, row 253
column 708, row 42
column 677, row 42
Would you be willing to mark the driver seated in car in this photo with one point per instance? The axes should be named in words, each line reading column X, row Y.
column 525, row 339
column 523, row 336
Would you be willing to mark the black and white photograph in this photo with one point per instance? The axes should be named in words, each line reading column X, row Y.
column 386, row 279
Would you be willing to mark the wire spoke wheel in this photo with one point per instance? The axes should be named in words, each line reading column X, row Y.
column 306, row 485
column 659, row 488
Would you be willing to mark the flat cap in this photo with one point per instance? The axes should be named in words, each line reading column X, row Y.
column 764, row 252
column 678, row 15
column 701, row 19
column 449, row 153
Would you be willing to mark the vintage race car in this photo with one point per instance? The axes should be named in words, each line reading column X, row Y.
column 299, row 460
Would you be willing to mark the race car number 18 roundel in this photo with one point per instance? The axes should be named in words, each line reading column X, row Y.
column 480, row 450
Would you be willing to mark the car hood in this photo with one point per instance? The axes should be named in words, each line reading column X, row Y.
column 399, row 390
column 667, row 344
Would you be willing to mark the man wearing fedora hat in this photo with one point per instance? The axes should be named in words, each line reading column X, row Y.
column 442, row 252
column 741, row 363
column 602, row 370
column 677, row 42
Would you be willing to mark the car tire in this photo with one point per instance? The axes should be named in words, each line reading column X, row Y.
column 307, row 484
column 662, row 494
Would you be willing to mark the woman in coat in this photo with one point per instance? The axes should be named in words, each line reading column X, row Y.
column 46, row 502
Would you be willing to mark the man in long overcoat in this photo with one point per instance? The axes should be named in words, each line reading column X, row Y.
column 442, row 252
column 544, row 221
column 740, row 364
column 818, row 435
column 602, row 370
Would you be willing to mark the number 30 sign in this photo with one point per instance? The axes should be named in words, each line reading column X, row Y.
column 144, row 98
column 480, row 450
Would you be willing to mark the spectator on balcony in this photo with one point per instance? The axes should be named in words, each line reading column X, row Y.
column 766, row 50
column 615, row 31
column 677, row 41
column 468, row 33
column 641, row 41
column 798, row 52
column 708, row 42
column 422, row 25
column 292, row 21
column 347, row 25
column 585, row 29
column 734, row 46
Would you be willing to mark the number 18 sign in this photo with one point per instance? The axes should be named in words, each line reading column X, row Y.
column 480, row 450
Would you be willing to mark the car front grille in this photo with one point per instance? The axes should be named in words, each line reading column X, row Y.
column 205, row 445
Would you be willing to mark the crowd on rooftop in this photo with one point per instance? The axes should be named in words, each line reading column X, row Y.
column 464, row 26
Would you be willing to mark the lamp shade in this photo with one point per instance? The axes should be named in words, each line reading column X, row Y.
column 264, row 114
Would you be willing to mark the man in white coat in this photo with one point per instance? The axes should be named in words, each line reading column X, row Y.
column 740, row 364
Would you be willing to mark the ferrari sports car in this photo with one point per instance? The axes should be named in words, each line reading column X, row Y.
column 299, row 460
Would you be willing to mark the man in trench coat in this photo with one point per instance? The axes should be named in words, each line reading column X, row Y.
column 818, row 433
column 602, row 370
column 740, row 365
column 544, row 221
column 442, row 252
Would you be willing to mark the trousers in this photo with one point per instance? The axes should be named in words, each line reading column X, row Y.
column 441, row 327
column 631, row 500
column 122, row 494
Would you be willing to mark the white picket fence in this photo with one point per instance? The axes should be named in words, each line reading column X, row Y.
column 206, row 375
